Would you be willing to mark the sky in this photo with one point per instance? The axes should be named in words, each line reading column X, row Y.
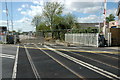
column 22, row 12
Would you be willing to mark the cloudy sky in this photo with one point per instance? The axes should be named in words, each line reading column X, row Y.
column 23, row 12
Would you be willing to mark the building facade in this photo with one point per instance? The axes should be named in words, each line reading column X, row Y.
column 113, row 24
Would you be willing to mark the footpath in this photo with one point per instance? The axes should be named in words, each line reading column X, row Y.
column 111, row 50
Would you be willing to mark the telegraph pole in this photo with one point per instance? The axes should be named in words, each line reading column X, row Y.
column 12, row 16
column 7, row 16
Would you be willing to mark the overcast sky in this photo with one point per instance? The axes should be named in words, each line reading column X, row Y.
column 23, row 12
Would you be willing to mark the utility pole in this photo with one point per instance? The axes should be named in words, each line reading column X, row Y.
column 7, row 17
column 104, row 27
column 12, row 17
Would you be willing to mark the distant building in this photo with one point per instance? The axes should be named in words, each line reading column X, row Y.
column 91, row 25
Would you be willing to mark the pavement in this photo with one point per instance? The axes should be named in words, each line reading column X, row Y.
column 56, row 61
column 114, row 50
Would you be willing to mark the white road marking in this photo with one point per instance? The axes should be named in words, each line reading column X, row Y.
column 7, row 56
column 87, row 65
column 61, row 64
column 96, row 60
column 95, row 52
column 15, row 64
column 32, row 64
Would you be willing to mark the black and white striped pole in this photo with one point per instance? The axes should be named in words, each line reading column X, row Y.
column 104, row 27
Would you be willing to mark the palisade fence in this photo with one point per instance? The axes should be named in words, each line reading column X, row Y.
column 10, row 39
column 3, row 39
column 88, row 39
column 32, row 38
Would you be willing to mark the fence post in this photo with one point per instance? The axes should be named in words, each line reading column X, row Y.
column 73, row 37
column 97, row 39
column 110, row 39
column 15, row 39
column 65, row 37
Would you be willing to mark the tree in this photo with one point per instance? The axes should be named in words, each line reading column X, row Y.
column 53, row 18
column 36, row 20
column 42, row 26
column 65, row 22
column 70, row 20
column 51, row 11
column 111, row 17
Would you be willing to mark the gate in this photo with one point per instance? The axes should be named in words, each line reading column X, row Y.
column 32, row 38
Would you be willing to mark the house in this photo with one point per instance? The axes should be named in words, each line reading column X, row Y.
column 113, row 24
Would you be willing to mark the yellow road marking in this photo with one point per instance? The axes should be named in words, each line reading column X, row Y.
column 75, row 50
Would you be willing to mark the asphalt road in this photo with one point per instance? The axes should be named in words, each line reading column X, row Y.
column 41, row 62
column 8, row 60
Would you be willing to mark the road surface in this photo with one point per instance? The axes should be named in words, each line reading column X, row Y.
column 39, row 62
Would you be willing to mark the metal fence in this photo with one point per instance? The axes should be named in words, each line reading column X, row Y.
column 3, row 39
column 89, row 39
column 30, row 38
column 9, row 39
